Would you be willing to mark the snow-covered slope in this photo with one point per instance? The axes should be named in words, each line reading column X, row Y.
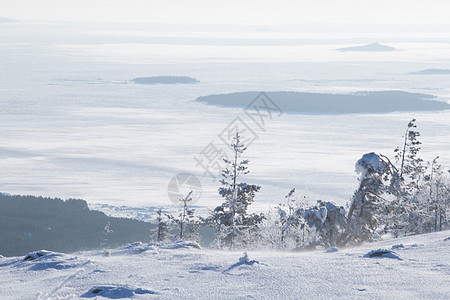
column 418, row 268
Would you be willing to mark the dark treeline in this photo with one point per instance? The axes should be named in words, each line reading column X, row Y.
column 29, row 223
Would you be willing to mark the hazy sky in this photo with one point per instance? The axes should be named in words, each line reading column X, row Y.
column 255, row 12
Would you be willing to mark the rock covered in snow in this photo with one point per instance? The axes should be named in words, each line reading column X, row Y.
column 38, row 254
column 115, row 292
column 382, row 253
column 332, row 250
column 398, row 246
column 139, row 247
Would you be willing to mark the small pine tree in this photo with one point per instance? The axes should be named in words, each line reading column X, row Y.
column 106, row 231
column 162, row 229
column 439, row 195
column 409, row 215
column 231, row 218
column 192, row 225
column 182, row 215
column 186, row 222
column 290, row 221
column 411, row 165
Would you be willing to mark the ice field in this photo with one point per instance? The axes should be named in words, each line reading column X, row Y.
column 73, row 125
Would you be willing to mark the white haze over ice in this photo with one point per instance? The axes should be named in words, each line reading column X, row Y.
column 74, row 126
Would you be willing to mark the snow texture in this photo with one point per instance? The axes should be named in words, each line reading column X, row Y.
column 178, row 270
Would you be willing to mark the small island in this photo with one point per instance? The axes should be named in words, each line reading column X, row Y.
column 165, row 80
column 432, row 72
column 374, row 47
column 327, row 104
column 6, row 20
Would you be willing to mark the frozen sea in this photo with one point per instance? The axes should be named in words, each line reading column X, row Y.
column 74, row 126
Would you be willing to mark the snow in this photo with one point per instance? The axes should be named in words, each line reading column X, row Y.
column 332, row 250
column 399, row 246
column 380, row 253
column 242, row 263
column 369, row 162
column 115, row 292
column 319, row 213
column 38, row 254
column 73, row 128
column 178, row 270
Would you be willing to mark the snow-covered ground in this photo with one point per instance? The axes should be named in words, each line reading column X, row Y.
column 418, row 268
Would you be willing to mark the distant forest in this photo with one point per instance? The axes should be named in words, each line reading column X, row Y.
column 29, row 223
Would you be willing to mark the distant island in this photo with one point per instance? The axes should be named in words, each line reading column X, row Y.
column 375, row 47
column 6, row 20
column 320, row 103
column 165, row 80
column 432, row 72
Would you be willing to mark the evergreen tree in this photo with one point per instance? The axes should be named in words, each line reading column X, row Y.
column 188, row 225
column 290, row 221
column 182, row 215
column 409, row 214
column 409, row 200
column 286, row 215
column 106, row 231
column 192, row 225
column 438, row 197
column 162, row 226
column 367, row 203
column 411, row 165
column 231, row 218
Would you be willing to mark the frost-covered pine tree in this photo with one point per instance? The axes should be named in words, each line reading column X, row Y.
column 437, row 199
column 367, row 203
column 186, row 222
column 106, row 231
column 410, row 215
column 290, row 221
column 234, row 224
column 407, row 200
column 162, row 230
column 411, row 165
column 192, row 225
column 183, row 213
column 281, row 226
column 326, row 222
